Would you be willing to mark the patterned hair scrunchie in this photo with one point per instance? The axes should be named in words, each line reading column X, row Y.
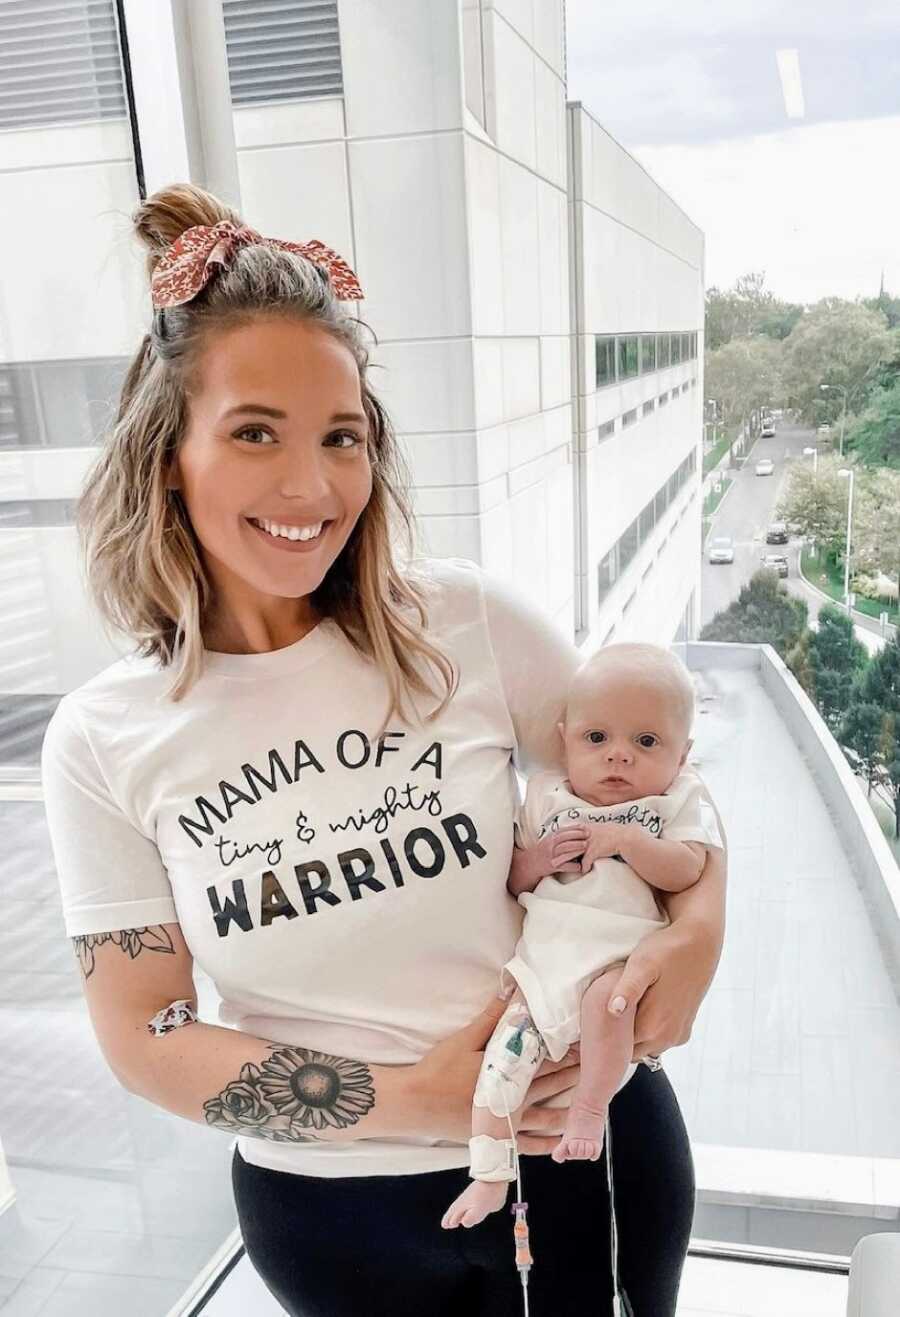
column 191, row 260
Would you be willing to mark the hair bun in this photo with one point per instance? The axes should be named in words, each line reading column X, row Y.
column 164, row 216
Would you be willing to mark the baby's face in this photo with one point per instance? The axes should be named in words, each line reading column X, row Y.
column 624, row 738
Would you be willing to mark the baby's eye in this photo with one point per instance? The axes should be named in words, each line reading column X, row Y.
column 647, row 741
column 596, row 738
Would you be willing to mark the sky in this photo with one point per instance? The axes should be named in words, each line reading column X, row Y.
column 693, row 91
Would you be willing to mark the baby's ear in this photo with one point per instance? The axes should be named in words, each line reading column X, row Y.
column 562, row 732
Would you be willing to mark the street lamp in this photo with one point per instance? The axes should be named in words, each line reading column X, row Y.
column 845, row 472
column 715, row 406
column 814, row 453
column 841, row 388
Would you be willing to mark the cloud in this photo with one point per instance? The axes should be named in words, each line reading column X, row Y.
column 714, row 65
column 814, row 206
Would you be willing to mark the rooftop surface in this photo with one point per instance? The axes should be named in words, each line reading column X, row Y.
column 797, row 1044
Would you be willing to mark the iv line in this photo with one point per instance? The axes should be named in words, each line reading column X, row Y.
column 520, row 1229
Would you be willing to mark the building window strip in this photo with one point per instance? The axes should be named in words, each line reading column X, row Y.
column 617, row 560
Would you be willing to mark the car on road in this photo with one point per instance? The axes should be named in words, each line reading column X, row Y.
column 776, row 562
column 777, row 533
column 765, row 466
column 721, row 549
column 824, row 430
column 768, row 428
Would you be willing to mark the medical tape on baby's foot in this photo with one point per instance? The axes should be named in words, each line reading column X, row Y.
column 511, row 1058
column 491, row 1159
column 173, row 1016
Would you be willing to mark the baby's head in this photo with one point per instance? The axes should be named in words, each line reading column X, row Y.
column 627, row 730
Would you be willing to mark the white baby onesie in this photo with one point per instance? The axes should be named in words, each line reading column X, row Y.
column 578, row 925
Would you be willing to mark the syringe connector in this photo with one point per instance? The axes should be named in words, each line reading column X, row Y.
column 524, row 1260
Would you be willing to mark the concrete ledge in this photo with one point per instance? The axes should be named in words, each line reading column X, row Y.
column 871, row 859
column 798, row 1181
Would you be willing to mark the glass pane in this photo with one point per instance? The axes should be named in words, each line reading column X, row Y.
column 605, row 352
column 107, row 1173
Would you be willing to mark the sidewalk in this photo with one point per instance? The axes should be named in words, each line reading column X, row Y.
column 862, row 622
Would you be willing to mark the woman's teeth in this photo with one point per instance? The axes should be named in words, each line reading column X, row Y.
column 289, row 532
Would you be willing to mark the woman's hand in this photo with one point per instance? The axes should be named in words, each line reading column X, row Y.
column 669, row 972
column 441, row 1086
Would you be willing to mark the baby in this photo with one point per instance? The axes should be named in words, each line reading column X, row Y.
column 627, row 817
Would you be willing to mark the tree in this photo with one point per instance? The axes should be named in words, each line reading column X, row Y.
column 860, row 731
column 876, row 524
column 889, row 307
column 763, row 614
column 838, row 343
column 875, row 434
column 742, row 376
column 815, row 501
column 797, row 660
column 746, row 309
column 879, row 687
column 836, row 658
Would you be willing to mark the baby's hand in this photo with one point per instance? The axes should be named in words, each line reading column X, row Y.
column 556, row 853
column 604, row 840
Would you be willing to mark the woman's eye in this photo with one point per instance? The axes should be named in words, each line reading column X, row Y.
column 596, row 738
column 648, row 742
column 355, row 439
column 348, row 434
column 251, row 429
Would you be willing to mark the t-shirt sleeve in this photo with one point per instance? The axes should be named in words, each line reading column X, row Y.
column 110, row 874
column 528, row 814
column 535, row 663
column 694, row 818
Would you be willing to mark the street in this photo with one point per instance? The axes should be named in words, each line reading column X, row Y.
column 748, row 508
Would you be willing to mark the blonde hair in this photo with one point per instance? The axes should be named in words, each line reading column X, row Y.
column 143, row 562
column 651, row 663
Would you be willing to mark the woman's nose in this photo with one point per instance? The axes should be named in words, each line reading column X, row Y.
column 305, row 478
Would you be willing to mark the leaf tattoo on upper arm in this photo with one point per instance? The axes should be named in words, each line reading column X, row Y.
column 131, row 940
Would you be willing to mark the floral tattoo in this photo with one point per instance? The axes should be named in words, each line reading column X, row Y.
column 292, row 1093
column 131, row 940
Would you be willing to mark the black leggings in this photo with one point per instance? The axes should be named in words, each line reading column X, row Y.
column 374, row 1245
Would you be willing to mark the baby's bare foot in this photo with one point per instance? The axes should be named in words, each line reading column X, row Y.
column 582, row 1139
column 475, row 1203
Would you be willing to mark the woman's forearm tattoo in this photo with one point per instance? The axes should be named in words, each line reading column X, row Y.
column 131, row 940
column 292, row 1093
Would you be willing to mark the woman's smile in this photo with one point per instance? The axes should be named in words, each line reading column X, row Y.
column 289, row 545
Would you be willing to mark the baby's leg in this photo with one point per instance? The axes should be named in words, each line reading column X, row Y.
column 518, row 1048
column 607, row 1043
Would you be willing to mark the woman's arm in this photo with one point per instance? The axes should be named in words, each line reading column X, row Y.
column 223, row 1077
column 669, row 972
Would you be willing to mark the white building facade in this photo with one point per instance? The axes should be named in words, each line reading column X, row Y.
column 637, row 313
column 538, row 300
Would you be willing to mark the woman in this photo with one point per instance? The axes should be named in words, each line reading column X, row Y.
column 318, row 809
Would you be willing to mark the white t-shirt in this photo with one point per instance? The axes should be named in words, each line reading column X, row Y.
column 342, row 896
